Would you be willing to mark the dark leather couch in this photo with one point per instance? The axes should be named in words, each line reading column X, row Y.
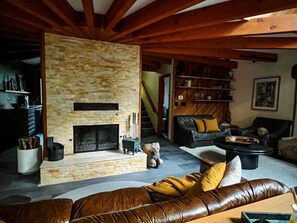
column 134, row 205
column 186, row 134
column 277, row 128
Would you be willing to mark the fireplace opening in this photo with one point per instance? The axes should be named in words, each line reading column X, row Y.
column 90, row 138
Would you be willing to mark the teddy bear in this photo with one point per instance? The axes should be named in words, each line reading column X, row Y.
column 153, row 154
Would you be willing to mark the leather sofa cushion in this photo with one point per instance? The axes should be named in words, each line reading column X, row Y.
column 207, row 136
column 211, row 125
column 46, row 211
column 200, row 125
column 111, row 201
column 209, row 180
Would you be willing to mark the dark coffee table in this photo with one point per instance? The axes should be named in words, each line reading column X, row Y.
column 248, row 153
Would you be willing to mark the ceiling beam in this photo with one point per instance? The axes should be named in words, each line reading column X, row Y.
column 16, row 14
column 256, row 26
column 114, row 14
column 151, row 13
column 64, row 10
column 217, row 53
column 197, row 59
column 212, row 15
column 234, row 43
column 41, row 11
column 90, row 16
column 17, row 25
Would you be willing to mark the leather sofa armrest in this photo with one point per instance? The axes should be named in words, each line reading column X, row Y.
column 264, row 139
column 247, row 131
column 227, row 130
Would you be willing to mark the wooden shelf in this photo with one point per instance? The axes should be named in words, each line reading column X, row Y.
column 204, row 78
column 17, row 92
column 206, row 88
column 214, row 100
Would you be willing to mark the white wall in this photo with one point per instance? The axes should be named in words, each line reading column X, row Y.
column 241, row 111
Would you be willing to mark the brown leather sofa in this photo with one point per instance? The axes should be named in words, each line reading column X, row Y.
column 134, row 205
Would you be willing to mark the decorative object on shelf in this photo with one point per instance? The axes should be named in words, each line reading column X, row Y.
column 265, row 93
column 202, row 96
column 7, row 83
column 21, row 82
column 231, row 74
column 188, row 83
column 208, row 97
column 197, row 95
column 13, row 84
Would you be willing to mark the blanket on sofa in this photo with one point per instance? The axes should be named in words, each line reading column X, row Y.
column 173, row 186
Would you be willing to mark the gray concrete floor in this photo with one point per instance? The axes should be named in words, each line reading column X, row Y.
column 17, row 188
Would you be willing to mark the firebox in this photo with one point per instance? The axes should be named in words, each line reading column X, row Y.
column 90, row 138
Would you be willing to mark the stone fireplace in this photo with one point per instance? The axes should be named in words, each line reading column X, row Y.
column 79, row 73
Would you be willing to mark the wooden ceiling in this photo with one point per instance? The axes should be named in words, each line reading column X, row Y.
column 207, row 31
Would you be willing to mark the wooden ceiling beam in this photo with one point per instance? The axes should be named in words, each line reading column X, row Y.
column 90, row 16
column 114, row 14
column 16, row 14
column 256, row 26
column 197, row 59
column 150, row 14
column 64, row 10
column 17, row 25
column 234, row 43
column 40, row 11
column 217, row 53
column 215, row 14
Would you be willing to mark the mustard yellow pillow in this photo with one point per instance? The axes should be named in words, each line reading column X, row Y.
column 200, row 125
column 210, row 179
column 211, row 125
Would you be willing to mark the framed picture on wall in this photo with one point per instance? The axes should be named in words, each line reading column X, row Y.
column 265, row 93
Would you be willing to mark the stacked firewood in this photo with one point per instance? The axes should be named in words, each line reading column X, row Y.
column 29, row 142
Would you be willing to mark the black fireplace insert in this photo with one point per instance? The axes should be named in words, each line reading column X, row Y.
column 90, row 138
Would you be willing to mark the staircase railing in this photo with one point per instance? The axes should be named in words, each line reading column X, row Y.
column 148, row 97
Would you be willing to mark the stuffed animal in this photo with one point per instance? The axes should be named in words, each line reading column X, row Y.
column 153, row 154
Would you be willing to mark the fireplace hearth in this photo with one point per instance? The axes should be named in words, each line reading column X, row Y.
column 91, row 138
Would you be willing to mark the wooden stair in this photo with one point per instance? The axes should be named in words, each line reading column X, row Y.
column 146, row 124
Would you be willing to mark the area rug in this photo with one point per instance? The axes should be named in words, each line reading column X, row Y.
column 268, row 167
column 100, row 187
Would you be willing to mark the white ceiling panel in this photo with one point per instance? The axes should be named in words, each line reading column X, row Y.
column 100, row 6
